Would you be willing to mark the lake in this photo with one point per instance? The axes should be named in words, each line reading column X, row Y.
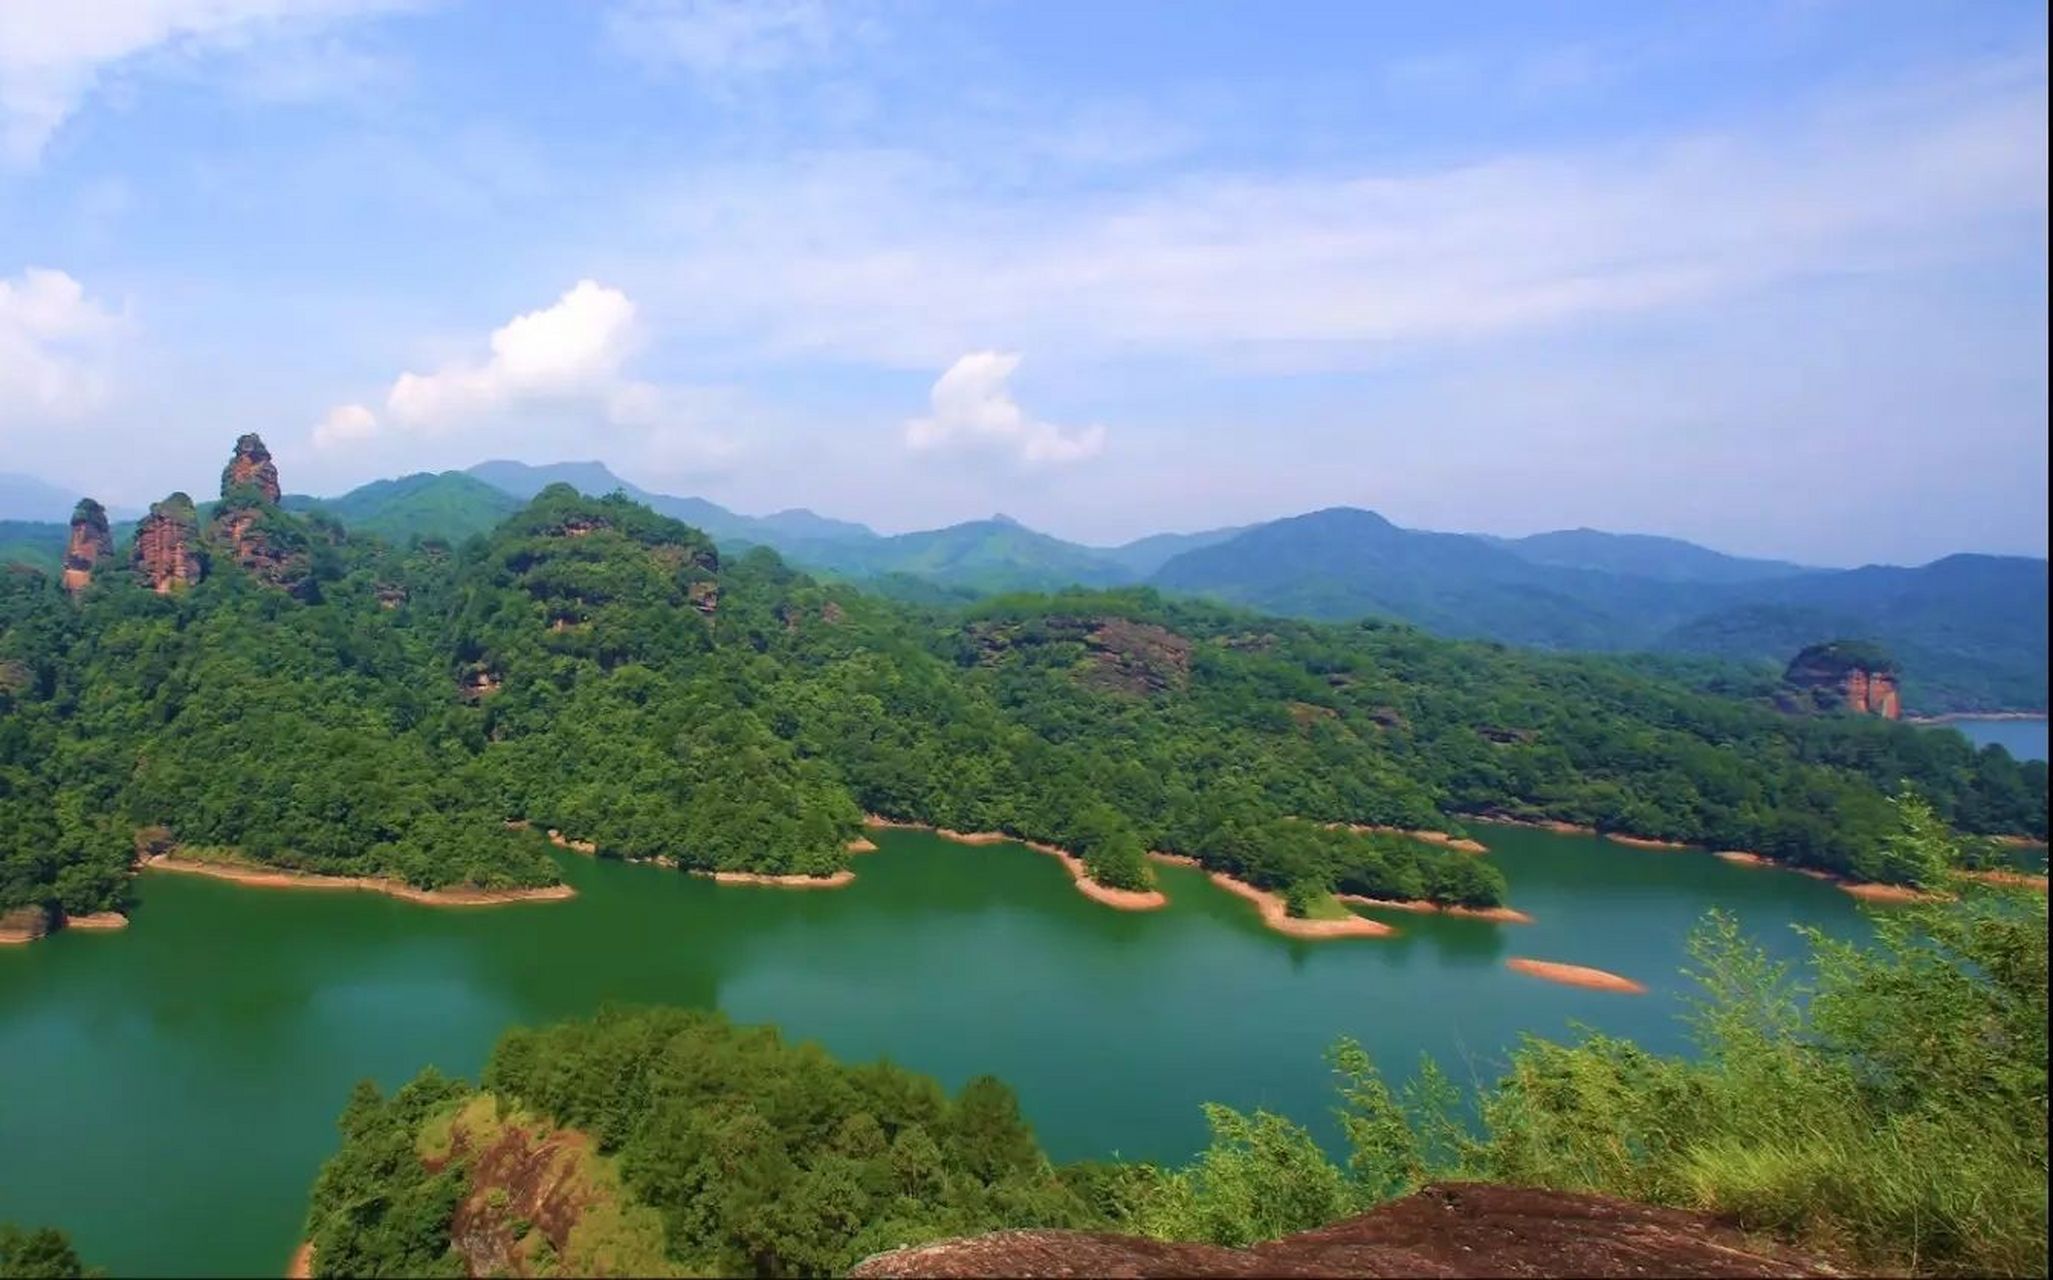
column 167, row 1092
column 2024, row 739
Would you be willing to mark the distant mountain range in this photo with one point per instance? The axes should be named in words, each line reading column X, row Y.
column 1969, row 630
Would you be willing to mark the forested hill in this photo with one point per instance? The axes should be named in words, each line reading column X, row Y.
column 267, row 686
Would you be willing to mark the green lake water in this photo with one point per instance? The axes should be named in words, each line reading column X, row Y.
column 167, row 1092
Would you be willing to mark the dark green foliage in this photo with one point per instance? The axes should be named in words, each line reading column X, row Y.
column 41, row 1254
column 599, row 669
column 377, row 1209
column 450, row 507
column 760, row 1157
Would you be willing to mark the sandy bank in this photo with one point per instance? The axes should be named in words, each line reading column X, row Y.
column 1537, row 824
column 1278, row 917
column 1887, row 892
column 2009, row 879
column 23, row 925
column 1445, row 839
column 1118, row 899
column 835, row 881
column 1500, row 915
column 1175, row 859
column 1642, row 842
column 1079, row 874
column 302, row 1265
column 1575, row 975
column 861, row 844
column 273, row 878
column 97, row 920
column 562, row 841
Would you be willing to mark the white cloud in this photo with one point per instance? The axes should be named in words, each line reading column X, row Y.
column 569, row 349
column 973, row 407
column 54, row 342
column 343, row 424
column 565, row 364
column 719, row 41
column 54, row 53
column 900, row 258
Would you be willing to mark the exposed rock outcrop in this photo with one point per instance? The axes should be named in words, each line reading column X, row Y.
column 1453, row 1229
column 24, row 924
column 1845, row 675
column 262, row 545
column 1119, row 654
column 167, row 546
column 251, row 468
column 91, row 542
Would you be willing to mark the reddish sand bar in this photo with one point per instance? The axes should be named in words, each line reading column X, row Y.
column 97, row 920
column 274, row 878
column 1499, row 915
column 835, row 881
column 1079, row 874
column 1642, row 842
column 1278, row 917
column 2009, row 879
column 1575, row 975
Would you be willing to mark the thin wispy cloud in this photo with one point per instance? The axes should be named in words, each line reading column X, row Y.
column 901, row 258
column 53, row 56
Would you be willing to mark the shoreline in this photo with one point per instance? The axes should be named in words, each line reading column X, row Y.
column 1079, row 874
column 262, row 878
column 1576, row 975
column 1949, row 717
column 96, row 921
column 1445, row 839
column 1495, row 915
column 1865, row 890
column 1277, row 917
column 840, row 879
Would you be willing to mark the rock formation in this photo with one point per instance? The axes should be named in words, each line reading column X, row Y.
column 167, row 555
column 1453, row 1229
column 91, row 542
column 1119, row 654
column 251, row 468
column 1845, row 675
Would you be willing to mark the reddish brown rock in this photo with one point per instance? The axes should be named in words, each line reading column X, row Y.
column 167, row 555
column 1453, row 1229
column 1846, row 675
column 91, row 542
column 251, row 468
column 1119, row 653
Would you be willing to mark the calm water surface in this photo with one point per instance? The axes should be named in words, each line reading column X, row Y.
column 2025, row 739
column 166, row 1093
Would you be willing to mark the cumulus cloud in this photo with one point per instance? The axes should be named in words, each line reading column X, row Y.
column 973, row 408
column 574, row 347
column 566, row 360
column 54, row 342
column 53, row 55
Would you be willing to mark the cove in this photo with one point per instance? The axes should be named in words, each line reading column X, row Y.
column 168, row 1091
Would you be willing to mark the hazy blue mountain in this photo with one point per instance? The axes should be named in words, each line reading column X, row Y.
column 994, row 555
column 1970, row 630
column 1143, row 556
column 524, row 480
column 1642, row 555
column 26, row 498
column 38, row 543
column 799, row 524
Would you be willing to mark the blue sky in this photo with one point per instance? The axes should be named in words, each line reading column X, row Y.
column 1772, row 277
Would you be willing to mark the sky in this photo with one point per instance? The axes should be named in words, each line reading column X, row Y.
column 1768, row 276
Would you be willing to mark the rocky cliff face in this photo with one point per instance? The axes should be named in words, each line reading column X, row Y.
column 167, row 556
column 251, row 468
column 1454, row 1229
column 1118, row 654
column 91, row 542
column 1845, row 675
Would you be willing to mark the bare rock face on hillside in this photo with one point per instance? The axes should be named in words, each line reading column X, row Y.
column 167, row 555
column 1845, row 675
column 251, row 468
column 1119, row 654
column 1452, row 1229
column 91, row 542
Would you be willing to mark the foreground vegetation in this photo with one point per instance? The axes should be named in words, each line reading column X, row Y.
column 1888, row 1109
column 343, row 705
